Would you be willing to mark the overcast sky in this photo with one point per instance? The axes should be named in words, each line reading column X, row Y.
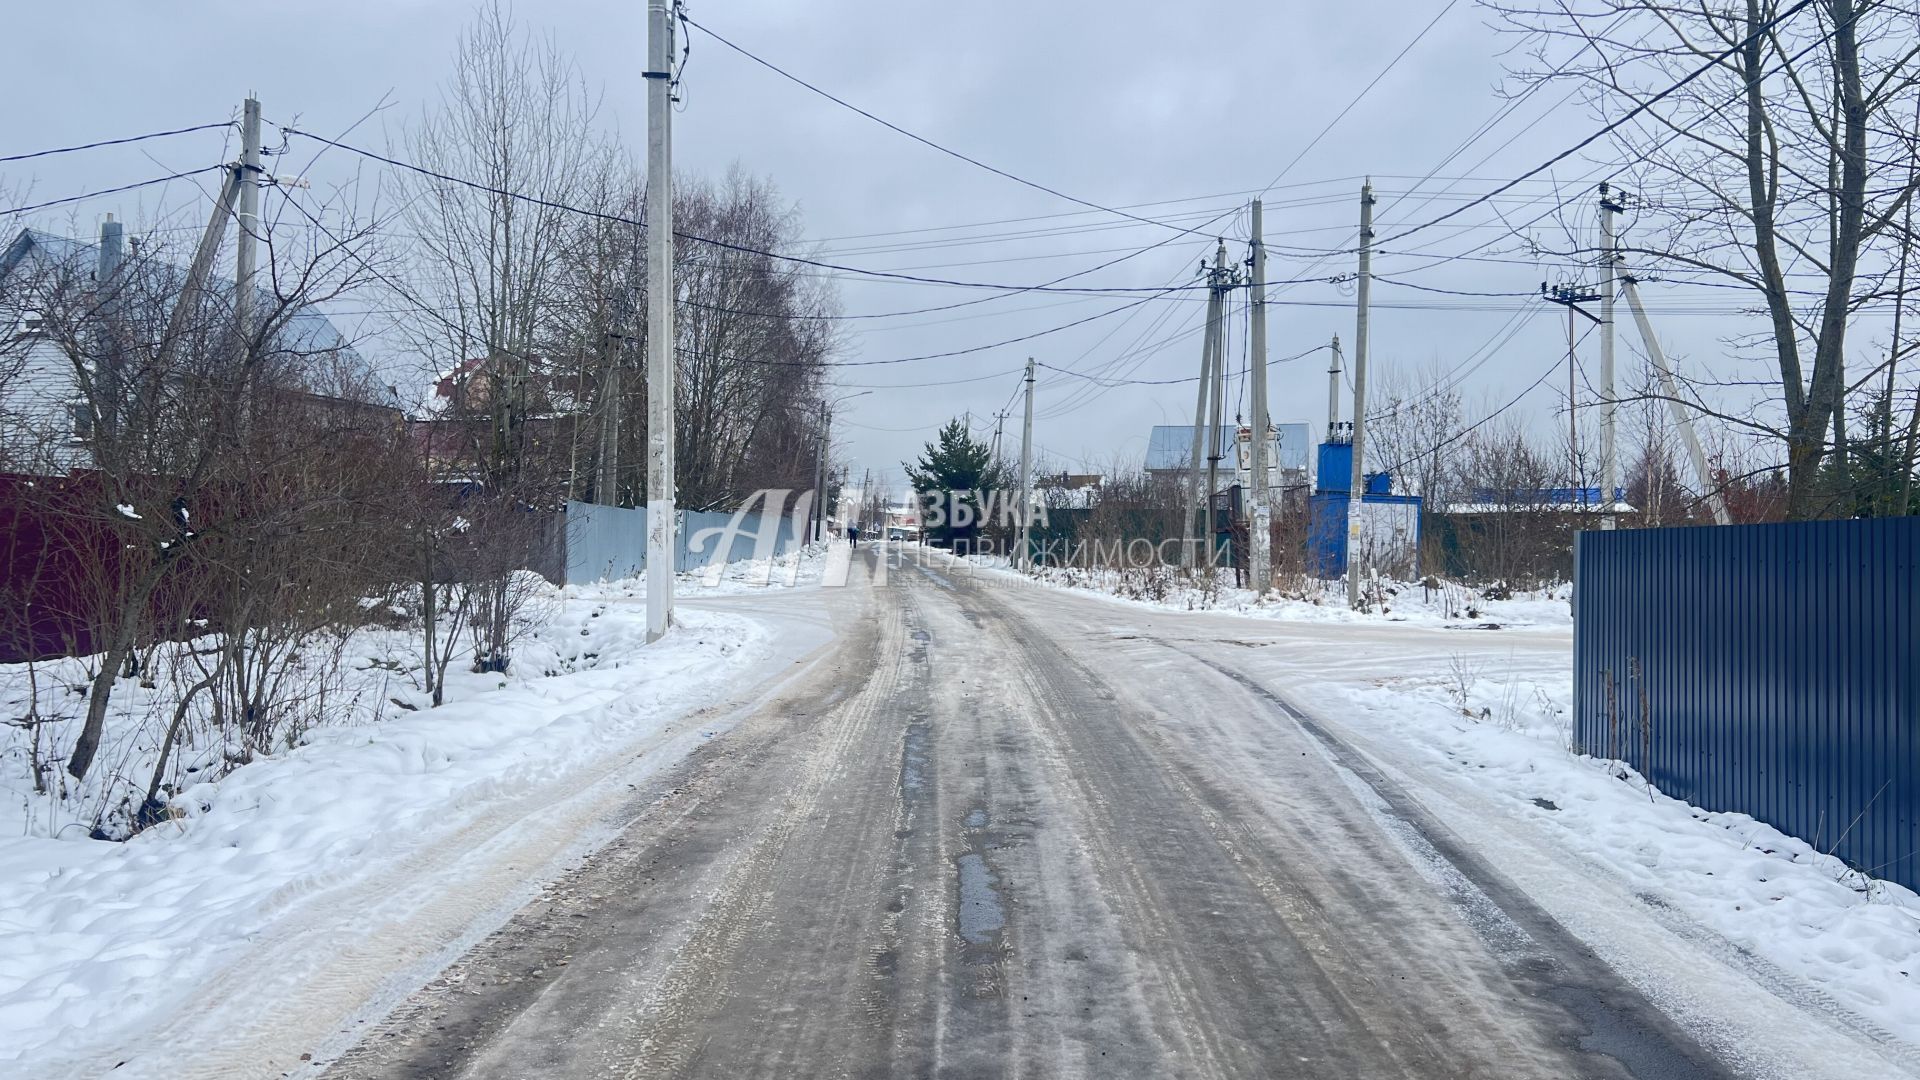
column 1116, row 102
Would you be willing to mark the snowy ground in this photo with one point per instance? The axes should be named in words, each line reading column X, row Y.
column 1313, row 600
column 1497, row 722
column 103, row 944
column 1482, row 721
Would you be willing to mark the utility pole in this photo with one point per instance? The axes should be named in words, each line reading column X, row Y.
column 1260, row 555
column 1671, row 391
column 1356, row 490
column 662, row 526
column 246, row 256
column 819, row 514
column 1571, row 296
column 1026, row 474
column 606, row 488
column 1333, row 389
column 1216, row 326
column 1609, row 270
column 1190, row 551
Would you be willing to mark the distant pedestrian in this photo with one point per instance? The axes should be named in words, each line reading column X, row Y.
column 853, row 534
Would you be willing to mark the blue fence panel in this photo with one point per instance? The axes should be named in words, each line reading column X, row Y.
column 1768, row 669
column 607, row 543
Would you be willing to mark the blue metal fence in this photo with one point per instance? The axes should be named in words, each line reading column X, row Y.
column 1768, row 669
column 607, row 543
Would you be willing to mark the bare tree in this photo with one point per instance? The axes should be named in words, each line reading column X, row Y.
column 1415, row 428
column 516, row 120
column 1786, row 169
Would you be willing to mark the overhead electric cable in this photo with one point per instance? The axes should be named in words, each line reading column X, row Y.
column 114, row 142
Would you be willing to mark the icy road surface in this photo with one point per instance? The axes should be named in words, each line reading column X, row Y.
column 995, row 835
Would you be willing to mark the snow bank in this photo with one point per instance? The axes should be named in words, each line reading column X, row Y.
column 1500, row 724
column 1311, row 600
column 98, row 938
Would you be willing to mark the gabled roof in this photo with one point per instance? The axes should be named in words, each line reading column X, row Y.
column 306, row 331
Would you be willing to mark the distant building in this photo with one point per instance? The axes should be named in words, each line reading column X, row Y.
column 1068, row 491
column 1170, row 456
column 46, row 420
column 1584, row 500
column 1382, row 530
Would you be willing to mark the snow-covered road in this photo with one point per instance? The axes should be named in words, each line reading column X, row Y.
column 1010, row 830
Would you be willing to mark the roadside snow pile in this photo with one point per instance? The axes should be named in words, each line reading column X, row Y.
column 1305, row 599
column 1505, row 732
column 97, row 937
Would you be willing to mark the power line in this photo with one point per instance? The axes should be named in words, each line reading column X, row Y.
column 1448, row 292
column 745, row 249
column 1764, row 29
column 1100, row 380
column 109, row 191
column 923, row 140
column 115, row 142
column 1470, row 428
column 1364, row 91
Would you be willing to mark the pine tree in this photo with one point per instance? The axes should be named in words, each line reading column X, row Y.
column 952, row 479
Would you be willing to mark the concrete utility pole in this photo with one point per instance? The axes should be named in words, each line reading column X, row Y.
column 1217, row 324
column 1609, row 270
column 1190, row 550
column 1260, row 555
column 1671, row 391
column 246, row 256
column 1358, row 487
column 662, row 524
column 1333, row 388
column 1026, row 473
column 820, row 474
column 106, row 278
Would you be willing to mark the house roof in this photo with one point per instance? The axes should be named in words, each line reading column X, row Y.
column 1586, row 500
column 307, row 330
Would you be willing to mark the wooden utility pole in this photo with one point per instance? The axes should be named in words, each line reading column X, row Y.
column 1357, row 487
column 1026, row 474
column 1259, row 543
column 662, row 526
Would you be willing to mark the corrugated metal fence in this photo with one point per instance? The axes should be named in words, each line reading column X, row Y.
column 606, row 543
column 1768, row 669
